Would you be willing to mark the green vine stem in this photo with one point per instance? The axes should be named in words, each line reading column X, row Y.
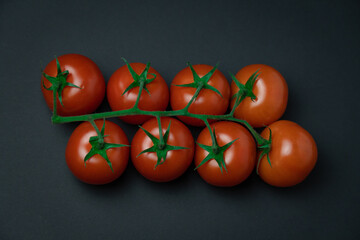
column 199, row 83
column 132, row 111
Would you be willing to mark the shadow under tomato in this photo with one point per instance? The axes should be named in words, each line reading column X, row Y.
column 114, row 189
column 177, row 185
column 243, row 188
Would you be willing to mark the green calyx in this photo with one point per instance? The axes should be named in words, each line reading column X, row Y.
column 99, row 146
column 265, row 148
column 201, row 82
column 215, row 152
column 139, row 79
column 160, row 146
column 59, row 82
column 244, row 90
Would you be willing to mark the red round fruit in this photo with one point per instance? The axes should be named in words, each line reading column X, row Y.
column 85, row 74
column 208, row 102
column 271, row 93
column 239, row 158
column 293, row 154
column 177, row 161
column 157, row 100
column 97, row 170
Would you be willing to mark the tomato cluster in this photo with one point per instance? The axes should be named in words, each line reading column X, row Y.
column 227, row 150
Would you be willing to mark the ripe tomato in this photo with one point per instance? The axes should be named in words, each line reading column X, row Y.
column 271, row 93
column 157, row 100
column 97, row 171
column 207, row 102
column 83, row 73
column 293, row 154
column 239, row 158
column 177, row 161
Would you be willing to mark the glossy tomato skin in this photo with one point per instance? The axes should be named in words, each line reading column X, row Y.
column 177, row 161
column 84, row 73
column 97, row 171
column 157, row 100
column 239, row 158
column 207, row 102
column 271, row 93
column 293, row 154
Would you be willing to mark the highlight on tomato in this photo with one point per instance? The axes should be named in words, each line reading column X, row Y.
column 212, row 99
column 292, row 156
column 123, row 90
column 78, row 83
column 97, row 156
column 269, row 91
column 226, row 156
column 165, row 156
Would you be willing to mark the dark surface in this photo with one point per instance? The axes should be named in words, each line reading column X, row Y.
column 314, row 44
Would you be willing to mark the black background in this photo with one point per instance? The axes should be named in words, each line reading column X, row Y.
column 314, row 44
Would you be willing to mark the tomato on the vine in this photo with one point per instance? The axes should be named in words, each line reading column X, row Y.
column 293, row 154
column 154, row 98
column 237, row 160
column 96, row 169
column 271, row 93
column 173, row 163
column 208, row 101
column 81, row 85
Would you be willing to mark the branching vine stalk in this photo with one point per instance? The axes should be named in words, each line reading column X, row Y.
column 215, row 151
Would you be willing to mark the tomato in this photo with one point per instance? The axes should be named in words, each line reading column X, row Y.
column 83, row 73
column 177, row 161
column 97, row 170
column 271, row 93
column 239, row 158
column 208, row 101
column 121, row 79
column 293, row 154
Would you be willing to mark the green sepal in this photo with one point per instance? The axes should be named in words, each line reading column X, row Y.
column 152, row 137
column 265, row 148
column 245, row 90
column 167, row 132
column 193, row 85
column 102, row 131
column 207, row 76
column 99, row 146
column 59, row 82
column 201, row 82
column 89, row 155
column 215, row 152
column 207, row 86
column 59, row 91
column 131, row 70
column 151, row 79
column 150, row 149
column 132, row 85
column 160, row 152
column 52, row 80
column 138, row 79
column 195, row 75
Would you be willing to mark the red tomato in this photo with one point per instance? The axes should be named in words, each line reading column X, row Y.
column 85, row 74
column 239, row 158
column 207, row 102
column 293, row 154
column 271, row 93
column 121, row 79
column 177, row 161
column 97, row 171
